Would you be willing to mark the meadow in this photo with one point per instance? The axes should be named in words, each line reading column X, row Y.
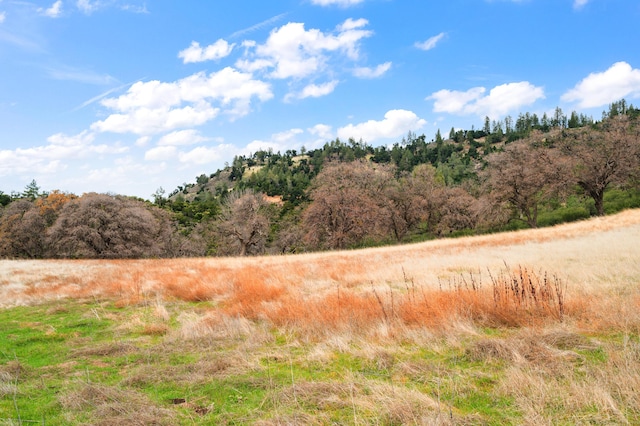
column 529, row 327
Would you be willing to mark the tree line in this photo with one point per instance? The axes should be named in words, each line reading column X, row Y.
column 509, row 174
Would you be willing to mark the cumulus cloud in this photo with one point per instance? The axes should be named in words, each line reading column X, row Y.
column 500, row 101
column 396, row 123
column 431, row 42
column 341, row 3
column 323, row 131
column 196, row 53
column 145, row 121
column 155, row 107
column 182, row 137
column 52, row 12
column 314, row 91
column 161, row 153
column 203, row 154
column 366, row 72
column 291, row 51
column 282, row 141
column 53, row 156
column 598, row 89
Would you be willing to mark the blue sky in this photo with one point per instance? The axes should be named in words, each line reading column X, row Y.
column 127, row 96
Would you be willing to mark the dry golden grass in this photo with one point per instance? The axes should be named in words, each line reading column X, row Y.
column 595, row 265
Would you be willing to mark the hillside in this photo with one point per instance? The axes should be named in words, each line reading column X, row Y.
column 586, row 254
column 348, row 194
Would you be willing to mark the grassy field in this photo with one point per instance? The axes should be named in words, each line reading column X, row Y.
column 530, row 327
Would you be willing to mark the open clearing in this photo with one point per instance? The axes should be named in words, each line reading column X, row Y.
column 530, row 327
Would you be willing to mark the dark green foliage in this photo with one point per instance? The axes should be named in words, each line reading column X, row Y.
column 4, row 199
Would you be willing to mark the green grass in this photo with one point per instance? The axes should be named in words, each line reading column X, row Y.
column 74, row 362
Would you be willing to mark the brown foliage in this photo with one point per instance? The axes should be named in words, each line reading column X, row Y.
column 244, row 224
column 346, row 205
column 105, row 226
column 525, row 174
column 602, row 156
column 22, row 231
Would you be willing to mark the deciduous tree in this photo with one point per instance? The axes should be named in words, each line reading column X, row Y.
column 525, row 174
column 346, row 205
column 107, row 226
column 605, row 155
column 244, row 224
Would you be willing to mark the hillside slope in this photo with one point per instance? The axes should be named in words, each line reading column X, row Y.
column 591, row 256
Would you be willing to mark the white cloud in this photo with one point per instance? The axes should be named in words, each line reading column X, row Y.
column 182, row 137
column 258, row 26
column 431, row 42
column 287, row 136
column 54, row 156
column 79, row 75
column 578, row 4
column 500, row 100
column 341, row 3
column 155, row 107
column 161, row 153
column 3, row 16
column 145, row 121
column 366, row 72
column 278, row 142
column 314, row 91
column 396, row 123
column 203, row 155
column 324, row 131
column 293, row 52
column 598, row 89
column 196, row 53
column 87, row 6
column 143, row 141
column 52, row 12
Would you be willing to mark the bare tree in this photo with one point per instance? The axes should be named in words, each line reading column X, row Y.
column 411, row 200
column 602, row 156
column 106, row 226
column 22, row 231
column 346, row 205
column 244, row 224
column 525, row 174
column 457, row 210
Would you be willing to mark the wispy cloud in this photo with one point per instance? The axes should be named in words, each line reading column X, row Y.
column 341, row 3
column 579, row 4
column 366, row 72
column 79, row 75
column 89, row 6
column 103, row 95
column 3, row 16
column 52, row 12
column 258, row 26
column 431, row 42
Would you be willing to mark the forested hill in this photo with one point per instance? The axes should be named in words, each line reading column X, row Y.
column 528, row 172
column 456, row 157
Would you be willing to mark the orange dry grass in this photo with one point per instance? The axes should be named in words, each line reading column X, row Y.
column 251, row 293
column 598, row 262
